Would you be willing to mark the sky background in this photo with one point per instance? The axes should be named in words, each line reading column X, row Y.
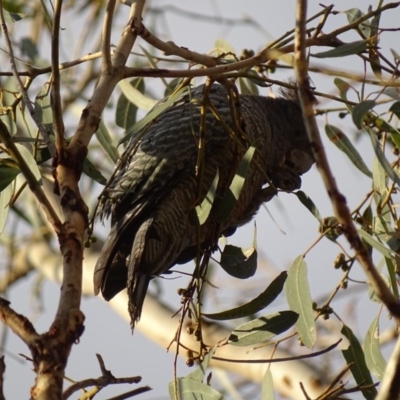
column 109, row 334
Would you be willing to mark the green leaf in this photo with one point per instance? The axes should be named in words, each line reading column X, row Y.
column 386, row 252
column 191, row 386
column 189, row 389
column 360, row 110
column 395, row 108
column 198, row 216
column 379, row 180
column 381, row 156
column 247, row 86
column 12, row 17
column 227, row 204
column 262, row 329
column 373, row 356
column 5, row 197
column 126, row 110
column 223, row 47
column 104, row 138
column 355, row 13
column 309, row 204
column 135, row 96
column 255, row 305
column 341, row 141
column 239, row 263
column 344, row 50
column 7, row 175
column 299, row 300
column 391, row 267
column 154, row 113
column 355, row 358
column 30, row 161
column 43, row 110
column 267, row 388
column 10, row 124
column 92, row 172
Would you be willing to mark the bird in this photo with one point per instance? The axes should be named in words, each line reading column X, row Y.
column 168, row 168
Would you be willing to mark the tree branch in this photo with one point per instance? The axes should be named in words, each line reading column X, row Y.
column 340, row 208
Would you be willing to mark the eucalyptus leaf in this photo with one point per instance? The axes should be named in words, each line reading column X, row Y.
column 299, row 300
column 309, row 204
column 189, row 389
column 106, row 142
column 5, row 197
column 373, row 356
column 386, row 252
column 381, row 156
column 360, row 110
column 126, row 110
column 198, row 215
column 135, row 96
column 239, row 263
column 92, row 172
column 344, row 50
column 355, row 358
column 30, row 161
column 262, row 329
column 228, row 202
column 7, row 175
column 257, row 304
column 199, row 373
column 267, row 388
column 395, row 108
column 341, row 141
column 154, row 113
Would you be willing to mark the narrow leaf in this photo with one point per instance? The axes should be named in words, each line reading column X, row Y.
column 386, row 252
column 189, row 389
column 360, row 110
column 154, row 113
column 239, row 263
column 230, row 199
column 92, row 172
column 104, row 138
column 381, row 156
column 12, row 16
column 255, row 305
column 354, row 357
column 391, row 267
column 299, row 299
column 126, row 110
column 7, row 175
column 395, row 108
column 198, row 216
column 309, row 204
column 344, row 50
column 373, row 356
column 5, row 197
column 200, row 372
column 267, row 388
column 26, row 154
column 354, row 14
column 135, row 96
column 341, row 141
column 262, row 329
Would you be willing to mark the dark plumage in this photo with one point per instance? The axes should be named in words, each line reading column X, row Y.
column 156, row 184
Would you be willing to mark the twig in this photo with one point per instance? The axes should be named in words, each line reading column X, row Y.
column 58, row 123
column 18, row 323
column 106, row 38
column 2, row 370
column 341, row 210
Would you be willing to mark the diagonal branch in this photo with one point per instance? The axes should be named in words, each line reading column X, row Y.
column 340, row 207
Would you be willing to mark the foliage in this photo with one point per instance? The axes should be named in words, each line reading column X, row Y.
column 52, row 137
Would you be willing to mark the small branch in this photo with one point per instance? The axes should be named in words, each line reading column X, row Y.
column 34, row 185
column 341, row 210
column 58, row 123
column 106, row 379
column 18, row 323
column 2, row 370
column 132, row 393
column 106, row 38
